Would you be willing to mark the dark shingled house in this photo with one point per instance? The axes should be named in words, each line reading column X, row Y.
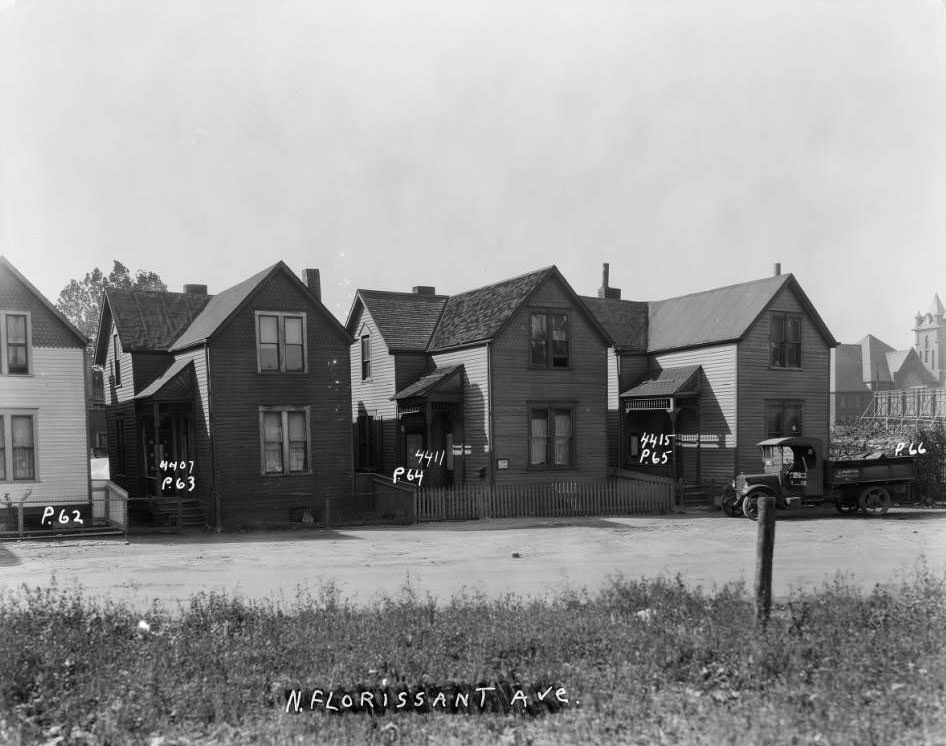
column 251, row 385
column 507, row 381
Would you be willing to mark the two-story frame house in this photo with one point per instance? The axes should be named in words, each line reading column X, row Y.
column 252, row 385
column 716, row 372
column 43, row 434
column 507, row 381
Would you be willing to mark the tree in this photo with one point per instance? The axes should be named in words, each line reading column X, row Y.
column 81, row 302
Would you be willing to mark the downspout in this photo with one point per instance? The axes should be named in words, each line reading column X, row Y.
column 215, row 497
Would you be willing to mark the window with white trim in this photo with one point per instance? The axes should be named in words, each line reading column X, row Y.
column 551, row 436
column 284, row 440
column 365, row 357
column 18, row 446
column 280, row 342
column 15, row 342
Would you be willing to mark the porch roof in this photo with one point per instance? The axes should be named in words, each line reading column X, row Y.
column 177, row 382
column 671, row 382
column 437, row 382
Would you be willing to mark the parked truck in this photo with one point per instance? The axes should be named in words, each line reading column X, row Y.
column 797, row 473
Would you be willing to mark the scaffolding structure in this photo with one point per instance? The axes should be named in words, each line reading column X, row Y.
column 903, row 409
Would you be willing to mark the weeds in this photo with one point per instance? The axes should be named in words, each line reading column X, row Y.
column 651, row 661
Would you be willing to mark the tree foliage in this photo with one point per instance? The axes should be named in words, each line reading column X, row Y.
column 81, row 301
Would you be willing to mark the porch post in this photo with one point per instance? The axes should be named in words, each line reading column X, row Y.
column 155, row 416
column 676, row 452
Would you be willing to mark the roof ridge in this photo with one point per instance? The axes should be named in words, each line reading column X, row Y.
column 758, row 281
column 503, row 282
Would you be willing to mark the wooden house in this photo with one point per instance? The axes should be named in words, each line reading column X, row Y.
column 714, row 373
column 44, row 447
column 507, row 382
column 250, row 385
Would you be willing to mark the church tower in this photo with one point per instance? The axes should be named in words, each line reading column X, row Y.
column 930, row 332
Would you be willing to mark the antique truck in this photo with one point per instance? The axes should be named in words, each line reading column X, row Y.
column 796, row 472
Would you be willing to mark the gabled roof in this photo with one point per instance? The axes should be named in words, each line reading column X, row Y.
column 405, row 321
column 720, row 315
column 150, row 320
column 177, row 380
column 670, row 382
column 874, row 359
column 439, row 380
column 625, row 321
column 478, row 315
column 80, row 337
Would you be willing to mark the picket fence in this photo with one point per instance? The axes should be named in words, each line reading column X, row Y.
column 551, row 499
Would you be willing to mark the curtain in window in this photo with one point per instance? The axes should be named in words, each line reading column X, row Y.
column 294, row 343
column 269, row 343
column 16, row 344
column 539, row 437
column 563, row 437
column 539, row 339
column 559, row 340
column 22, row 437
column 298, row 447
column 272, row 442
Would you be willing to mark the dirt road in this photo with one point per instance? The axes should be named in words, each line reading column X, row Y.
column 705, row 549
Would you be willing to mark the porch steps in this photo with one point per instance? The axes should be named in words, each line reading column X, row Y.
column 164, row 512
column 696, row 495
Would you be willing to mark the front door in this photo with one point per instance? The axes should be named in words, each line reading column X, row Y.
column 167, row 451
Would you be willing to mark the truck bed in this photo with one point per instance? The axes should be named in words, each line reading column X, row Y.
column 866, row 471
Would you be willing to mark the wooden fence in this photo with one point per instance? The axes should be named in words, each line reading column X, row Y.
column 551, row 499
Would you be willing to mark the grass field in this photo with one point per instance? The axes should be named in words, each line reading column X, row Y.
column 651, row 662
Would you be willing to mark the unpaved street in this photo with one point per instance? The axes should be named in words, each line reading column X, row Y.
column 705, row 549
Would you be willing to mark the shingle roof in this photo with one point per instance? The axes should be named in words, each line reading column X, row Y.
column 219, row 309
column 719, row 315
column 152, row 319
column 670, row 382
column 182, row 370
column 430, row 382
column 624, row 320
column 477, row 315
column 406, row 321
column 80, row 337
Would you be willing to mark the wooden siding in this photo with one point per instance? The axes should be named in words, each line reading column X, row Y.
column 56, row 395
column 204, row 471
column 238, row 390
column 373, row 396
column 583, row 385
column 476, row 403
column 759, row 381
column 624, row 371
column 46, row 329
column 717, row 409
column 126, row 392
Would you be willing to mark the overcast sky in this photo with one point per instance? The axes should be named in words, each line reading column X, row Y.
column 456, row 143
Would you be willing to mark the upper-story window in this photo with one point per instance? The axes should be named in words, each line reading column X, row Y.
column 926, row 349
column 365, row 357
column 549, row 343
column 280, row 342
column 15, row 341
column 116, row 360
column 785, row 337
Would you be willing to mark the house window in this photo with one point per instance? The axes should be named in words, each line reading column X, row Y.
column 18, row 447
column 284, row 440
column 368, row 440
column 782, row 418
column 120, row 450
column 15, row 343
column 365, row 357
column 549, row 338
column 280, row 342
column 550, row 436
column 116, row 360
column 926, row 349
column 785, row 337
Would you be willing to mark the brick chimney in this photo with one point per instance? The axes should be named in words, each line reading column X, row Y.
column 778, row 269
column 605, row 291
column 313, row 281
column 194, row 289
column 425, row 290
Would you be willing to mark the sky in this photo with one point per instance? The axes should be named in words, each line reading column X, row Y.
column 456, row 143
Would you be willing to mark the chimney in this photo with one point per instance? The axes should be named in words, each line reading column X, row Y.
column 425, row 290
column 193, row 289
column 313, row 281
column 778, row 269
column 605, row 291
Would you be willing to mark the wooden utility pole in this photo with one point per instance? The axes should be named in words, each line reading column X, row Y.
column 764, row 552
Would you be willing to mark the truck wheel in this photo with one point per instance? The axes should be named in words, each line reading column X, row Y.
column 750, row 505
column 846, row 508
column 875, row 500
column 730, row 502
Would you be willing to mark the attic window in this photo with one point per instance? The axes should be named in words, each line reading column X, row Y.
column 785, row 339
column 280, row 342
column 549, row 340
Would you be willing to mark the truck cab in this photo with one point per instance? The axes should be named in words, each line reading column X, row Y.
column 792, row 471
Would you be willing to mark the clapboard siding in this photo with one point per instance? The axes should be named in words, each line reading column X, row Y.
column 46, row 329
column 717, row 408
column 238, row 391
column 582, row 386
column 202, row 455
column 759, row 381
column 55, row 395
column 476, row 394
column 115, row 394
